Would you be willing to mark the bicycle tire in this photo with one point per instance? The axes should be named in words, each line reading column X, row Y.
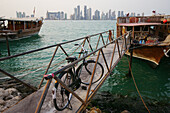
column 60, row 94
column 85, row 76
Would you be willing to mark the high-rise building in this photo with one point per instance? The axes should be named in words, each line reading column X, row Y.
column 85, row 12
column 62, row 15
column 55, row 15
column 89, row 14
column 23, row 15
column 118, row 13
column 110, row 15
column 65, row 16
column 97, row 15
column 58, row 16
column 132, row 14
column 81, row 15
column 113, row 15
column 103, row 16
column 20, row 15
column 17, row 14
column 78, row 12
column 107, row 16
column 75, row 14
column 122, row 14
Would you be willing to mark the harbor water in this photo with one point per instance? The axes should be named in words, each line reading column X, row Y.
column 152, row 83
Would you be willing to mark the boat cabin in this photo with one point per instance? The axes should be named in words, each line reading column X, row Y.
column 145, row 29
column 19, row 24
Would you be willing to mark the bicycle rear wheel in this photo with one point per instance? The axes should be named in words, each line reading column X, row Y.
column 85, row 72
column 61, row 97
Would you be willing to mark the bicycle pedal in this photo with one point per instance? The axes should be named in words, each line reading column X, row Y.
column 84, row 87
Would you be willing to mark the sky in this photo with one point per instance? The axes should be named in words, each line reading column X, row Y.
column 8, row 8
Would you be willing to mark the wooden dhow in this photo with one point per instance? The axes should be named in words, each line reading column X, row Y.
column 17, row 28
column 150, row 35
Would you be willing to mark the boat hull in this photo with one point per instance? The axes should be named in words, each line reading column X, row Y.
column 19, row 34
column 153, row 54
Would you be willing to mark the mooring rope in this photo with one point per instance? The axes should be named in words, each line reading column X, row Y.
column 137, row 87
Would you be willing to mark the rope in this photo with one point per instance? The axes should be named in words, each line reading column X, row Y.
column 137, row 88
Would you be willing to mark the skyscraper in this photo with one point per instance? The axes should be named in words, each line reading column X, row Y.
column 78, row 12
column 65, row 16
column 17, row 13
column 103, row 16
column 89, row 14
column 110, row 15
column 97, row 15
column 23, row 15
column 75, row 14
column 118, row 13
column 107, row 16
column 85, row 12
column 62, row 15
column 113, row 15
column 122, row 14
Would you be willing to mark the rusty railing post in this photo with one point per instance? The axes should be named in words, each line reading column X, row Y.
column 83, row 46
column 89, row 88
column 41, row 101
column 102, row 39
column 89, row 43
column 98, row 42
column 63, row 50
column 118, row 47
column 112, row 55
column 110, row 36
column 7, row 44
column 48, row 67
column 105, row 60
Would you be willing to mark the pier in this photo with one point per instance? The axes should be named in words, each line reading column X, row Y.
column 108, row 51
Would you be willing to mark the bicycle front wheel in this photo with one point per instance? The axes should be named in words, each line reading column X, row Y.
column 85, row 72
column 61, row 97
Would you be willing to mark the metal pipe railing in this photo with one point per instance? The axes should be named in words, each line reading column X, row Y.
column 40, row 49
column 80, row 59
column 56, row 45
column 105, row 44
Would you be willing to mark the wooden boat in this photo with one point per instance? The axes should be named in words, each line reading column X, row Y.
column 19, row 28
column 150, row 36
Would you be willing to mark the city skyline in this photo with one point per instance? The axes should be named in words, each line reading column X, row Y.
column 86, row 14
column 42, row 6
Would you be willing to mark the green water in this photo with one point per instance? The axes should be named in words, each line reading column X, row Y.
column 152, row 83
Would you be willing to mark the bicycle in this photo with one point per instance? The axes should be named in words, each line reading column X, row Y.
column 71, row 77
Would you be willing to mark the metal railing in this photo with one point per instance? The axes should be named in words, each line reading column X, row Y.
column 141, row 19
column 122, row 43
column 57, row 46
column 125, row 42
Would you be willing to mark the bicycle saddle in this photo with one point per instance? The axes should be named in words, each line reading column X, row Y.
column 71, row 59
